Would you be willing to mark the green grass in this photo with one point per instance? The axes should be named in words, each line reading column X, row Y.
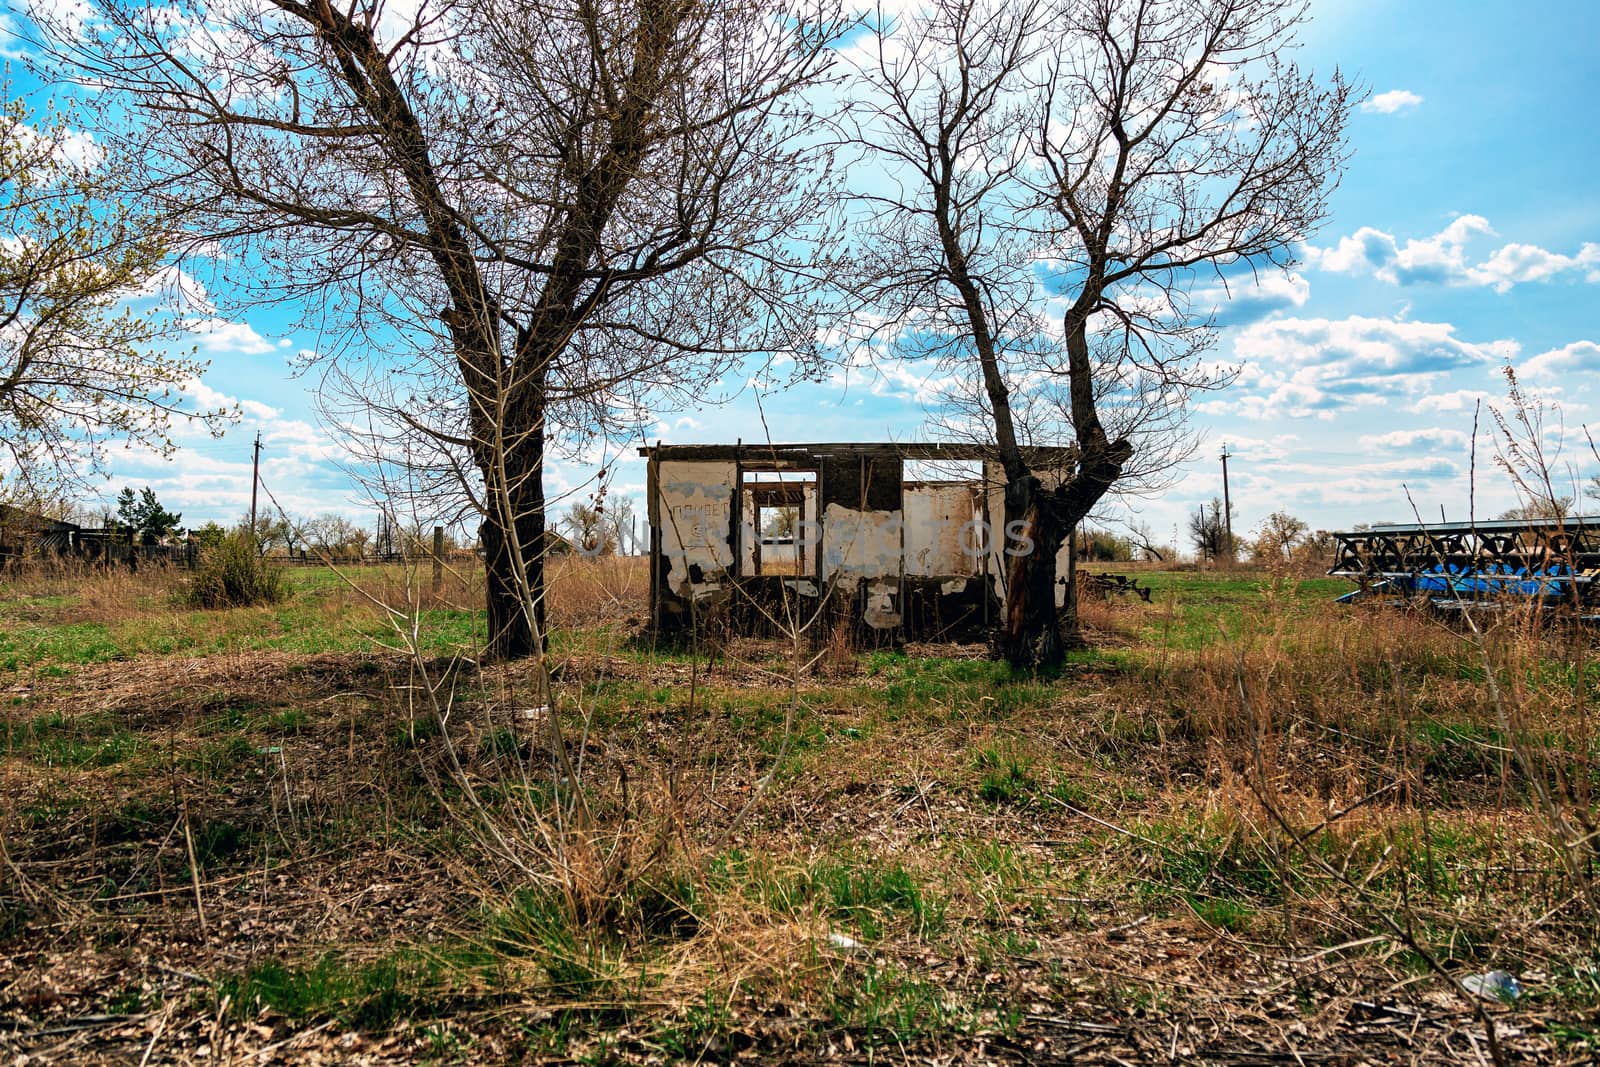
column 370, row 996
column 321, row 615
column 865, row 894
column 888, row 1005
column 1192, row 610
column 81, row 742
column 1007, row 774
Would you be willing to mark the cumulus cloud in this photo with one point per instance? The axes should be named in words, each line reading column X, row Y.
column 1515, row 263
column 1580, row 357
column 1392, row 102
column 1443, row 260
column 1303, row 368
column 1240, row 300
column 208, row 399
column 221, row 336
column 1455, row 400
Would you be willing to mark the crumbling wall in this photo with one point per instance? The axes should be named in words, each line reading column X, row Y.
column 943, row 535
column 893, row 560
column 692, row 515
column 862, row 528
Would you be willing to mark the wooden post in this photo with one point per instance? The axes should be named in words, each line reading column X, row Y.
column 438, row 561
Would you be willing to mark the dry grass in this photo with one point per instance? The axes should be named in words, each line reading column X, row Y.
column 585, row 591
column 1015, row 857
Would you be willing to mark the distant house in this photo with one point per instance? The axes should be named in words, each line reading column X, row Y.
column 26, row 533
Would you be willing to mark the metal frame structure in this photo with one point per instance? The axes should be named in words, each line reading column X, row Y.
column 1554, row 561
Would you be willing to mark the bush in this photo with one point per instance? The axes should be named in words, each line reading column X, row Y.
column 232, row 575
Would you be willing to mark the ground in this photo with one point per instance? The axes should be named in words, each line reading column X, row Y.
column 1244, row 825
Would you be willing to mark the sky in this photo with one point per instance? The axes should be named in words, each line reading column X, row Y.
column 1463, row 239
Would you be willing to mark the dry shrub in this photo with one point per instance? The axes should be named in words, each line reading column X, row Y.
column 232, row 574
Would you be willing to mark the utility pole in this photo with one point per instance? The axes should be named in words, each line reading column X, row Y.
column 255, row 480
column 1227, row 505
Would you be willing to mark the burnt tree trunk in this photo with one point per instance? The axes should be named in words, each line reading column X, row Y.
column 1031, row 635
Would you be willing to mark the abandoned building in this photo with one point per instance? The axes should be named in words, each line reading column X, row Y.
column 900, row 540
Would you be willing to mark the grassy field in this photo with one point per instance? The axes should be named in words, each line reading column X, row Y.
column 1244, row 825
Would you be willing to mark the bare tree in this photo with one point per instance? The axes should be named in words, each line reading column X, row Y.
column 1281, row 534
column 1209, row 533
column 1123, row 148
column 332, row 534
column 529, row 218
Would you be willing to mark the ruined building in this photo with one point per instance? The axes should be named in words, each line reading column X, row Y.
column 897, row 540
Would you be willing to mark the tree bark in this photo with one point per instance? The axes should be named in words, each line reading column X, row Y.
column 1031, row 636
column 512, row 635
column 510, row 455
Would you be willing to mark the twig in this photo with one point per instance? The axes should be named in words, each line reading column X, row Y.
column 1101, row 822
column 194, row 869
column 161, row 1028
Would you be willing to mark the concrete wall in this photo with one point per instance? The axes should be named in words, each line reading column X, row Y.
column 940, row 538
column 693, row 512
column 894, row 558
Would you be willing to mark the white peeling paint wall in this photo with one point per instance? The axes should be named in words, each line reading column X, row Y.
column 859, row 544
column 696, row 509
column 942, row 536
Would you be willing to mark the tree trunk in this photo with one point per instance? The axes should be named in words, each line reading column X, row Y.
column 1031, row 635
column 512, row 633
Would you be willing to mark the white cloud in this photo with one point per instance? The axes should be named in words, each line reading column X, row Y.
column 1392, row 102
column 1245, row 299
column 1432, row 438
column 1516, row 263
column 218, row 335
column 1580, row 357
column 1455, row 400
column 209, row 399
column 1300, row 368
column 1442, row 259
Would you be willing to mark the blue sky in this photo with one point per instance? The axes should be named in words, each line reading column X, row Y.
column 1465, row 236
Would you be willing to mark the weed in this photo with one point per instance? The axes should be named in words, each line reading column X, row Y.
column 292, row 721
column 863, row 892
column 415, row 731
column 886, row 1005
column 371, row 996
column 697, row 1028
column 538, row 925
column 1007, row 775
column 219, row 758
